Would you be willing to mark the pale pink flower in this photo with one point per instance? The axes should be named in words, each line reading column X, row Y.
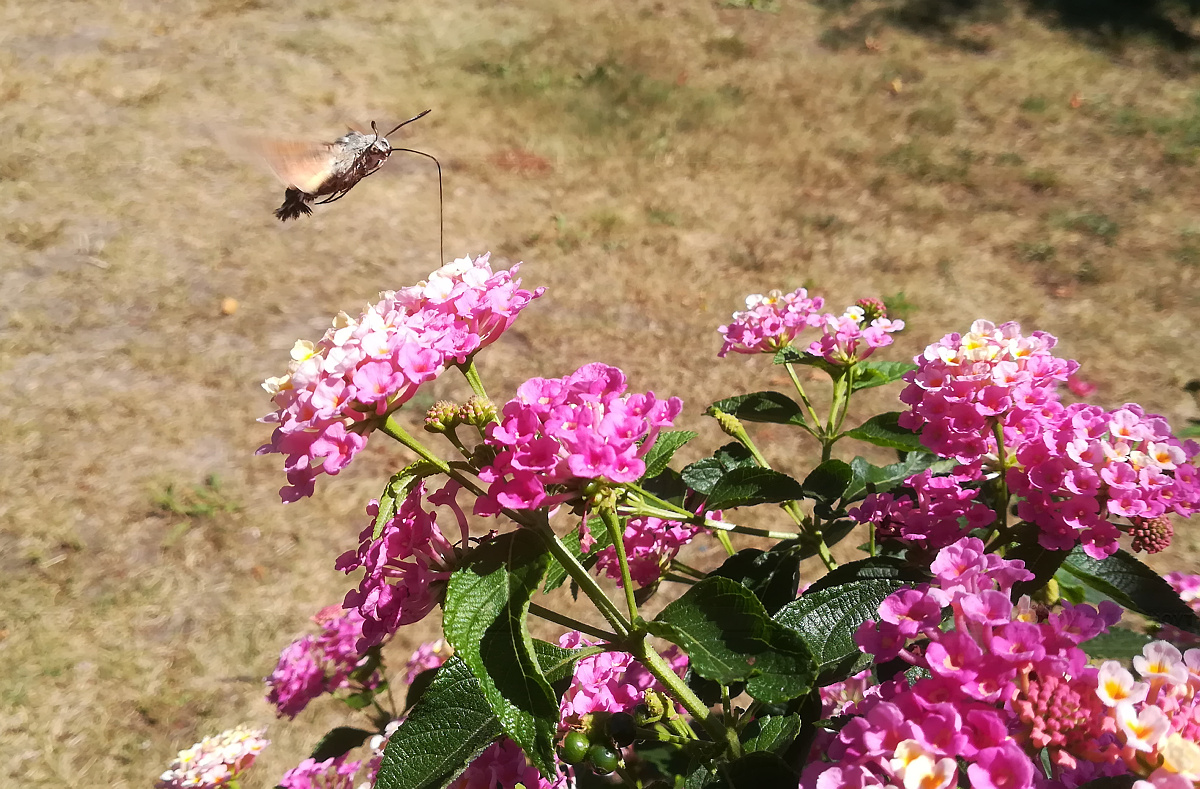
column 215, row 761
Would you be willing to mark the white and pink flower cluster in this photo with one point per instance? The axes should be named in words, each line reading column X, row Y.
column 407, row 568
column 215, row 762
column 770, row 323
column 317, row 664
column 363, row 368
column 559, row 433
column 1004, row 682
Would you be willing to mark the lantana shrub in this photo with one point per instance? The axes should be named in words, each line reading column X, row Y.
column 997, row 630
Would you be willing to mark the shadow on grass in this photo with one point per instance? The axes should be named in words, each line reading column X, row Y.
column 1107, row 24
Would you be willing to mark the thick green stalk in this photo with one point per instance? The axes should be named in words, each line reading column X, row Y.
column 570, row 622
column 579, row 574
column 812, row 413
column 472, row 375
column 654, row 663
column 617, row 534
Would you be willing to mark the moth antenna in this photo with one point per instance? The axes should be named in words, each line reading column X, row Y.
column 441, row 202
column 410, row 120
column 375, row 129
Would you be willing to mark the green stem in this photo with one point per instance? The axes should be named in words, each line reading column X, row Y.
column 687, row 569
column 569, row 622
column 579, row 574
column 617, row 534
column 392, row 427
column 816, row 420
column 470, row 372
column 849, row 390
column 680, row 579
column 673, row 513
column 1001, row 478
column 657, row 735
column 655, row 664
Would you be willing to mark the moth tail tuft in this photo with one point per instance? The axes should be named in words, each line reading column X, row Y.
column 295, row 205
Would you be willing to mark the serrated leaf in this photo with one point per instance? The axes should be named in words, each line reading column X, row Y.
column 668, row 485
column 397, row 489
column 827, row 620
column 748, row 486
column 729, row 636
column 792, row 355
column 771, row 407
column 702, row 475
column 1119, row 643
column 871, row 374
column 874, row 568
column 339, row 741
column 556, row 574
column 884, row 431
column 1135, row 586
column 418, row 686
column 487, row 601
column 773, row 576
column 884, row 478
column 663, row 450
column 443, row 733
column 770, row 733
column 556, row 662
column 827, row 482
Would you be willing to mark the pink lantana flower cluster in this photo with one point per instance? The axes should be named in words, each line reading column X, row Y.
column 503, row 765
column 1156, row 716
column 939, row 512
column 215, row 762
column 317, row 664
column 1088, row 465
column 407, row 568
column 769, row 323
column 364, row 367
column 336, row 773
column 650, row 545
column 559, row 433
column 855, row 334
column 427, row 657
column 1004, row 682
column 966, row 385
column 607, row 682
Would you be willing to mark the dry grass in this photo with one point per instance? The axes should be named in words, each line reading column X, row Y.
column 651, row 163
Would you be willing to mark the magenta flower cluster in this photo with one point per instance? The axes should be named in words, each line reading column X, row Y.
column 427, row 657
column 939, row 511
column 650, row 545
column 336, row 773
column 407, row 568
column 503, row 764
column 559, row 433
column 607, row 682
column 317, row 664
column 362, row 368
column 1003, row 682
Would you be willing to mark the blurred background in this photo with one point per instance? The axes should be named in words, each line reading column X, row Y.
column 651, row 162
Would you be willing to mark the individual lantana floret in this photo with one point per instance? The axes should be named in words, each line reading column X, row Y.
column 407, row 568
column 335, row 773
column 558, row 434
column 215, row 762
column 770, row 322
column 427, row 657
column 317, row 664
column 363, row 368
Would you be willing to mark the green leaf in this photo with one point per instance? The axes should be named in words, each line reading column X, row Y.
column 884, row 431
column 339, row 741
column 875, row 568
column 773, row 576
column 762, row 407
column 1134, row 586
column 770, row 733
column 870, row 374
column 443, row 733
column 664, row 448
column 748, row 486
column 556, row 662
column 1118, row 643
column 827, row 619
column 729, row 636
column 397, row 489
column 1042, row 562
column 827, row 482
column 418, row 686
column 879, row 479
column 702, row 475
column 793, row 355
column 757, row 770
column 486, row 605
column 668, row 485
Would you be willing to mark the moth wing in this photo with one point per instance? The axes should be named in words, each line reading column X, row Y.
column 302, row 165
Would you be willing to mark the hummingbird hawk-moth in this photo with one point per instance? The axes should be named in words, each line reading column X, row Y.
column 328, row 170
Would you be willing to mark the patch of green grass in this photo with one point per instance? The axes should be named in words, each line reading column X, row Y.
column 1035, row 103
column 1099, row 226
column 899, row 307
column 917, row 161
column 1036, row 251
column 195, row 501
column 1009, row 159
column 733, row 47
column 938, row 119
column 1040, row 179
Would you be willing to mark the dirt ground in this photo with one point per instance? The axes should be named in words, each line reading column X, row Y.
column 651, row 162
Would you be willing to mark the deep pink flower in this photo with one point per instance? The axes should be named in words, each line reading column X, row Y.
column 607, row 682
column 427, row 656
column 650, row 545
column 406, row 569
column 336, row 773
column 317, row 664
column 503, row 765
column 365, row 367
column 557, row 434
column 939, row 511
